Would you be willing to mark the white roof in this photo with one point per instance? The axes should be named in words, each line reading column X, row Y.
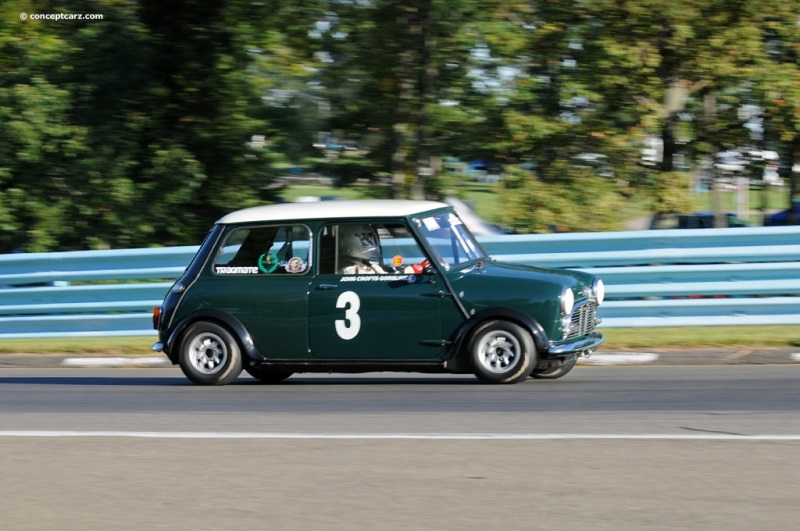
column 377, row 208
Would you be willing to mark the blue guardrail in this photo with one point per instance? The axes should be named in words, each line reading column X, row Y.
column 704, row 277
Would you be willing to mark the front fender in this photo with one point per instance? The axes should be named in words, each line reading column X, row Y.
column 219, row 317
column 458, row 362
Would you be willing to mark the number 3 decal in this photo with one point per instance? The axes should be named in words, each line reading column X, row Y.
column 348, row 327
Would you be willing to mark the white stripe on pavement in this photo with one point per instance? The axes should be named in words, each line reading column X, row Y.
column 404, row 436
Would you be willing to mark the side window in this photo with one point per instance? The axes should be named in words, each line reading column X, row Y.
column 271, row 250
column 368, row 248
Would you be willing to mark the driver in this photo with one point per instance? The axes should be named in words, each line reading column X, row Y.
column 359, row 250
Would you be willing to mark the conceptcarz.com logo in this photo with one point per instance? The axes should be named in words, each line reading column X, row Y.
column 61, row 16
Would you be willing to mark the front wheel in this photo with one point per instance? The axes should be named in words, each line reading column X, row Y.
column 553, row 373
column 209, row 355
column 502, row 352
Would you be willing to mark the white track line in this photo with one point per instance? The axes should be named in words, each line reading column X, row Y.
column 114, row 362
column 402, row 436
column 795, row 356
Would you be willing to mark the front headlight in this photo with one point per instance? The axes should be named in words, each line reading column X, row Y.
column 567, row 299
column 599, row 290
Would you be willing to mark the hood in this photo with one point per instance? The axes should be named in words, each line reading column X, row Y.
column 533, row 290
column 504, row 272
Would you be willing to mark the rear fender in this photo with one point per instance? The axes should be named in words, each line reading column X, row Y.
column 224, row 319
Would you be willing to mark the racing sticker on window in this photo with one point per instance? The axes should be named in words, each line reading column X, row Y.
column 431, row 224
column 267, row 263
column 295, row 265
column 225, row 270
column 397, row 261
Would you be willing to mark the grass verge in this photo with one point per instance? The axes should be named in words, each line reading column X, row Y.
column 702, row 337
column 107, row 346
column 616, row 339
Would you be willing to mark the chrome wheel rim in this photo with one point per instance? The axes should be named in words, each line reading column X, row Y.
column 498, row 352
column 208, row 353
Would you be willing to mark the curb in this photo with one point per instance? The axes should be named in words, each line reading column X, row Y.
column 115, row 362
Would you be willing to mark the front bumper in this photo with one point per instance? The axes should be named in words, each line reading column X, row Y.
column 588, row 342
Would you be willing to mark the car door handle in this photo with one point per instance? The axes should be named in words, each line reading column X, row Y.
column 328, row 286
column 438, row 294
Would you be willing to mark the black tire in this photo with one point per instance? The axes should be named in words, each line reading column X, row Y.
column 209, row 354
column 502, row 352
column 267, row 374
column 553, row 373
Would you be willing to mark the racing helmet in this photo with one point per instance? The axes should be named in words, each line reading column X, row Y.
column 359, row 243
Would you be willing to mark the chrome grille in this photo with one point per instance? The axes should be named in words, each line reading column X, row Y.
column 583, row 319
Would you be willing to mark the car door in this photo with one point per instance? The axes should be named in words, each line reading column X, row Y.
column 378, row 309
column 260, row 276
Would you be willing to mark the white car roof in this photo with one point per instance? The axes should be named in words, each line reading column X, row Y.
column 377, row 208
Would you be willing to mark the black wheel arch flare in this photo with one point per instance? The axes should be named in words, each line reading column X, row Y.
column 461, row 336
column 221, row 318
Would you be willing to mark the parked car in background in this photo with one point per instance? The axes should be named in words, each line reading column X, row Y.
column 738, row 164
column 358, row 286
column 703, row 219
column 782, row 218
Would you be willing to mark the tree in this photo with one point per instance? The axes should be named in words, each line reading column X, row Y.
column 40, row 145
column 543, row 111
column 133, row 130
column 386, row 66
column 682, row 71
column 779, row 85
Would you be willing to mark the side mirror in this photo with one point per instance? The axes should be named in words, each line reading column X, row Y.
column 422, row 267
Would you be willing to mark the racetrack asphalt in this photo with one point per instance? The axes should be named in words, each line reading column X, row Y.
column 688, row 356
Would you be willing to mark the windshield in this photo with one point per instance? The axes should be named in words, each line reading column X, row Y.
column 450, row 239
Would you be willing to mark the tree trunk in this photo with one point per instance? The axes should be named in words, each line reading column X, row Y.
column 422, row 158
column 792, row 156
column 668, row 141
column 399, row 156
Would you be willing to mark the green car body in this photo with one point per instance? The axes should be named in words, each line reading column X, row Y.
column 356, row 286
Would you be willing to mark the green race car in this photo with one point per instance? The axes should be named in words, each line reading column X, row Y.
column 357, row 286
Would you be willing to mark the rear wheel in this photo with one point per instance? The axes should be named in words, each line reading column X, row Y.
column 209, row 355
column 267, row 374
column 555, row 372
column 502, row 352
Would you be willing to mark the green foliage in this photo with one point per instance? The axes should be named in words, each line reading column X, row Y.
column 582, row 201
column 348, row 169
column 126, row 132
column 671, row 193
column 146, row 126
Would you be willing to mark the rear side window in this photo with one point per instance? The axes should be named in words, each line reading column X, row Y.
column 265, row 250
